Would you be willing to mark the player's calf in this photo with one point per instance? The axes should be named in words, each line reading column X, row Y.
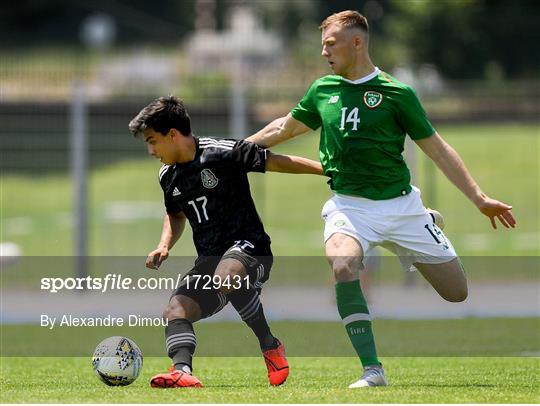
column 447, row 278
column 180, row 342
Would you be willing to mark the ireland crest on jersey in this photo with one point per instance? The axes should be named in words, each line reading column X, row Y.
column 372, row 99
column 209, row 180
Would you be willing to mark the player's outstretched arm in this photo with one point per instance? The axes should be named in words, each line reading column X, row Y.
column 278, row 131
column 173, row 227
column 449, row 161
column 292, row 164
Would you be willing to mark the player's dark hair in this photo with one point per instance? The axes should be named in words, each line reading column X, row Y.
column 161, row 115
column 346, row 19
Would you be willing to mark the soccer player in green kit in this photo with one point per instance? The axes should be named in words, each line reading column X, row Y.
column 364, row 115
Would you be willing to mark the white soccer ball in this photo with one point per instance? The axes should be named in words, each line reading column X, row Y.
column 117, row 361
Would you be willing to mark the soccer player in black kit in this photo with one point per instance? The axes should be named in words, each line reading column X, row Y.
column 204, row 180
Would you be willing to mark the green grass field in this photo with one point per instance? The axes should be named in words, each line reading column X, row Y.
column 125, row 220
column 312, row 380
column 469, row 337
column 427, row 361
column 125, row 201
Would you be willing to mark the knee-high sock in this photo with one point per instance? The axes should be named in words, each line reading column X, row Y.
column 248, row 305
column 354, row 312
column 180, row 341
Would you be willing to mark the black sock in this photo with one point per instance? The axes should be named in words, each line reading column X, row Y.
column 247, row 304
column 180, row 341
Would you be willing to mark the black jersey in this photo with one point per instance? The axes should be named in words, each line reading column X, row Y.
column 213, row 192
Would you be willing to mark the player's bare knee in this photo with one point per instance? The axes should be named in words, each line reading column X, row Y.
column 344, row 269
column 225, row 288
column 181, row 308
column 456, row 296
column 171, row 312
column 227, row 273
column 221, row 276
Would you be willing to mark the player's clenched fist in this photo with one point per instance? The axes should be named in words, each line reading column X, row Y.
column 156, row 257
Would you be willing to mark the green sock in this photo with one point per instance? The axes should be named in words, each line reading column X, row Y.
column 354, row 312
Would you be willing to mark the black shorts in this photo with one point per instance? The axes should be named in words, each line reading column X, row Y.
column 198, row 283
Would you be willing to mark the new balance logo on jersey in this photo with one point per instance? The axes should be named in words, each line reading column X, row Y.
column 209, row 180
column 333, row 100
column 176, row 192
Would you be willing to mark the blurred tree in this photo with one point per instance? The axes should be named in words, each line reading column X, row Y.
column 470, row 39
column 297, row 21
column 29, row 23
column 463, row 38
column 513, row 29
column 286, row 16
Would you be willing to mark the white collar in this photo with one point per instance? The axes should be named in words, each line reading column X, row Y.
column 365, row 78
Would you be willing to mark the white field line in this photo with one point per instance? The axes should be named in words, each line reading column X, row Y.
column 129, row 212
column 133, row 211
column 518, row 240
column 17, row 226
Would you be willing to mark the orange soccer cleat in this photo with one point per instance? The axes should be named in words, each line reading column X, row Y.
column 175, row 379
column 277, row 365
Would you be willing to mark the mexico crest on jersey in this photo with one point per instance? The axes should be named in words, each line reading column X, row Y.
column 209, row 180
column 372, row 99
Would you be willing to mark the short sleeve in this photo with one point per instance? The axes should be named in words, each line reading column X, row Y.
column 171, row 207
column 164, row 180
column 163, row 176
column 306, row 111
column 249, row 156
column 413, row 118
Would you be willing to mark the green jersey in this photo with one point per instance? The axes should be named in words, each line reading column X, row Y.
column 363, row 128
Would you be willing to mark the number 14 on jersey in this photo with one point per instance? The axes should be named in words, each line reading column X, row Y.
column 351, row 117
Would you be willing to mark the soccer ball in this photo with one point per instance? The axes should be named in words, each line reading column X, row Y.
column 117, row 361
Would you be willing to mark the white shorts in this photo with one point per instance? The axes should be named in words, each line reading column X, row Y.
column 402, row 225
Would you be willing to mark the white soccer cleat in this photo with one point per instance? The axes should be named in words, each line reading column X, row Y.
column 373, row 376
column 437, row 217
